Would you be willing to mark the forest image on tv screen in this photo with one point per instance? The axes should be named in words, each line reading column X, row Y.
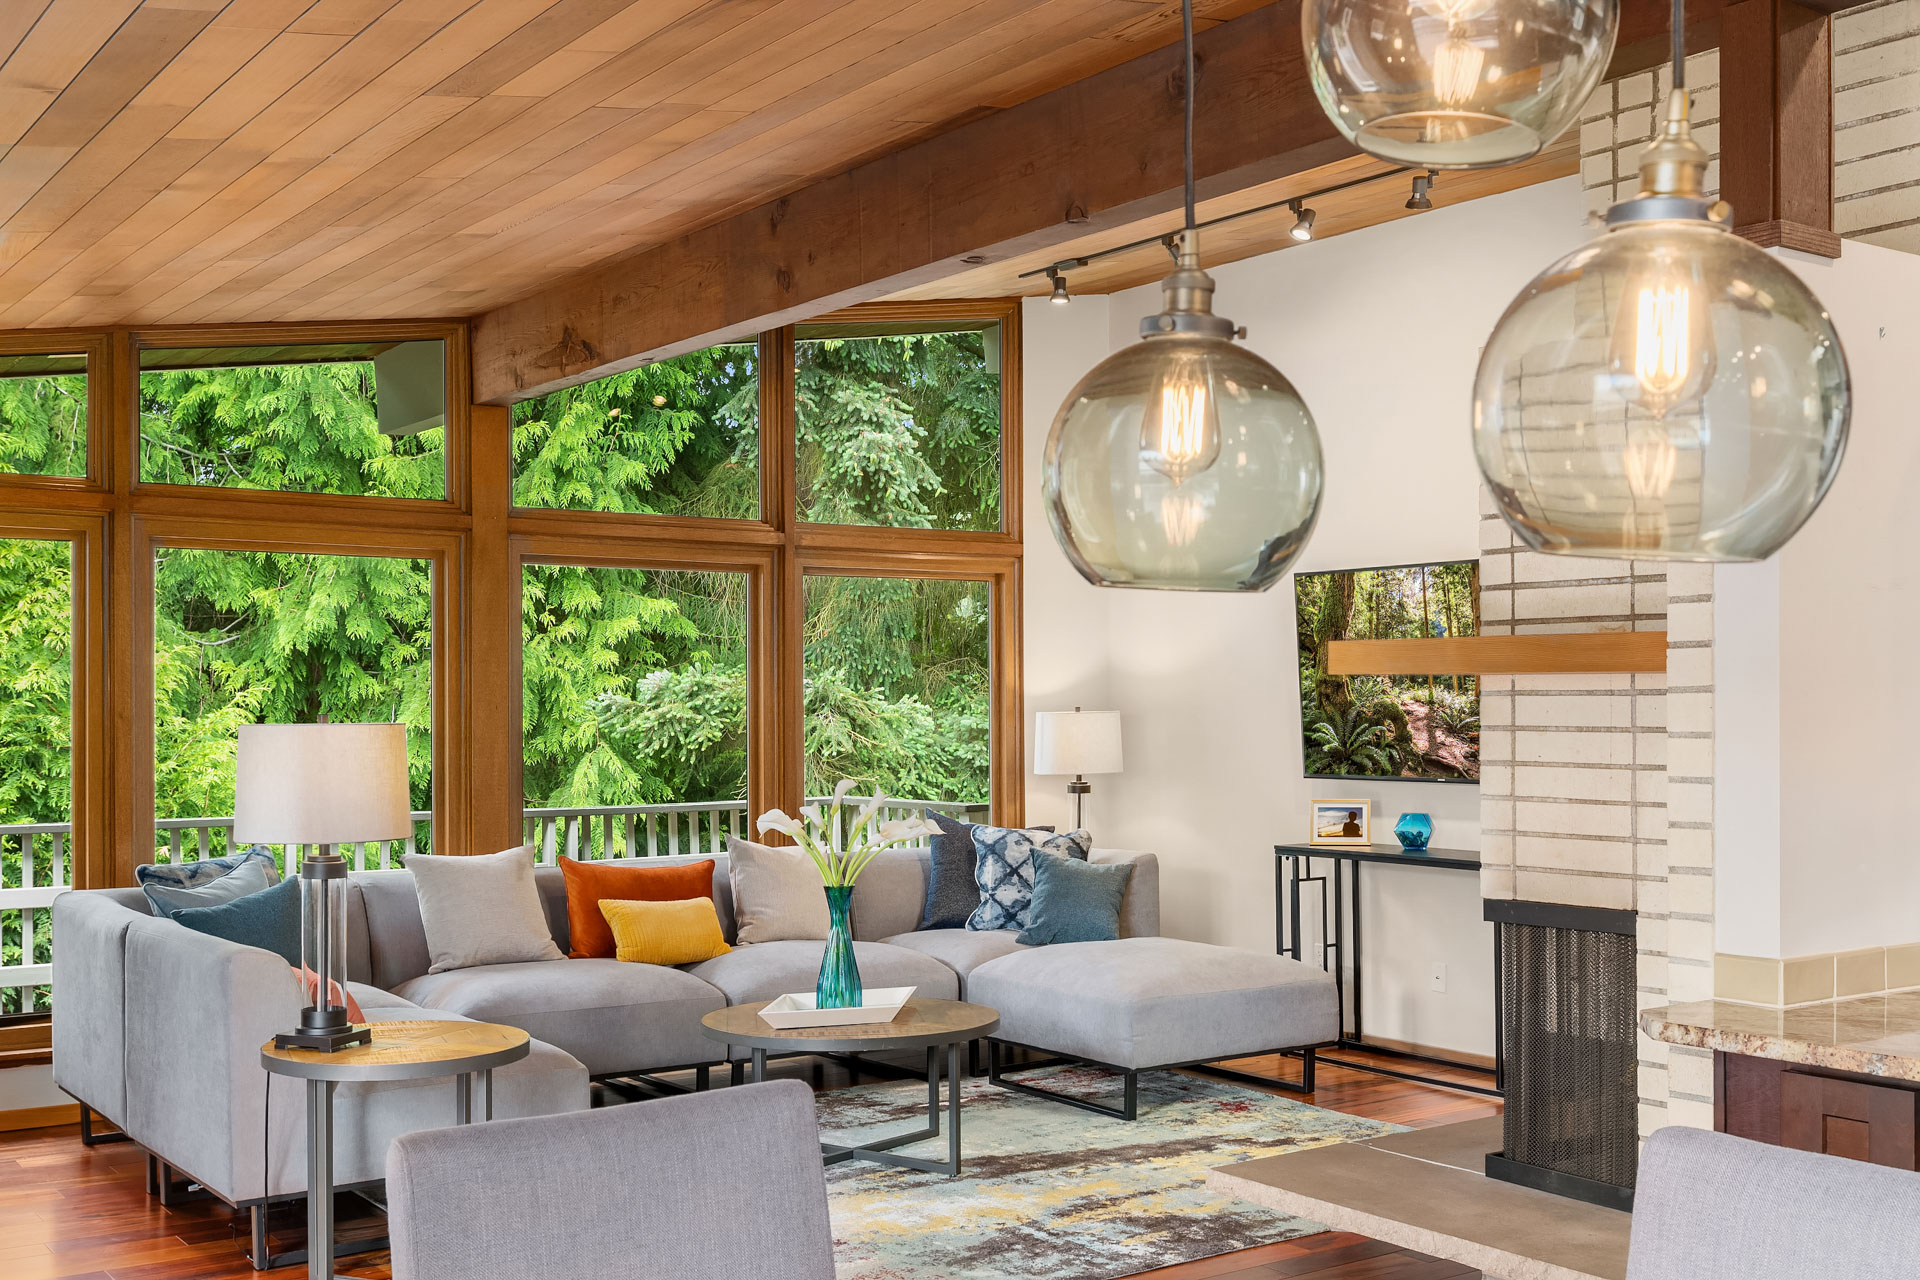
column 1425, row 727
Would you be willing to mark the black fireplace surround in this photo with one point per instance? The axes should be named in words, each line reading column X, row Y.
column 1568, row 980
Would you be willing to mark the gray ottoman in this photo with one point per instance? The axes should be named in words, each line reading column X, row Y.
column 1141, row 1004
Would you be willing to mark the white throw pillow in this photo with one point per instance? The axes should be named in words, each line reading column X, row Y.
column 777, row 894
column 481, row 909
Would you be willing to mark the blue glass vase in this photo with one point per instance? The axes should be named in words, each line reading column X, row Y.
column 839, row 985
column 1413, row 831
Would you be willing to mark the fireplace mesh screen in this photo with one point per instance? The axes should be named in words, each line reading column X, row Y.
column 1571, row 1087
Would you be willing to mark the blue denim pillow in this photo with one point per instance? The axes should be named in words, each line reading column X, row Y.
column 1075, row 901
column 1004, row 869
column 269, row 919
column 207, row 883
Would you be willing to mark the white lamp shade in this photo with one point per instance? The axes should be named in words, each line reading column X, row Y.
column 1076, row 742
column 321, row 784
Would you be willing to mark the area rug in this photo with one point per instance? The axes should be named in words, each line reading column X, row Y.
column 1049, row 1192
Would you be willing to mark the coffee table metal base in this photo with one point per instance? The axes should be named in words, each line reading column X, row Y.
column 881, row 1151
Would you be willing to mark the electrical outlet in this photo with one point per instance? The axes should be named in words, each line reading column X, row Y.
column 1437, row 977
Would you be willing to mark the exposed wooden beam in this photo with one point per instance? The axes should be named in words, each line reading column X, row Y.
column 1776, row 122
column 1586, row 652
column 1094, row 155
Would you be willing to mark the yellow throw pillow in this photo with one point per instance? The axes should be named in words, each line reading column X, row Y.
column 685, row 931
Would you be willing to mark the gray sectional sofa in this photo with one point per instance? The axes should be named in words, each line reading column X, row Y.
column 160, row 1027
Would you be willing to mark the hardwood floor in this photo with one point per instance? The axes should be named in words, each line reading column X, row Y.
column 69, row 1212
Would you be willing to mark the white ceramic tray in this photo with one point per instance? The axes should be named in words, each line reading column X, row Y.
column 880, row 1004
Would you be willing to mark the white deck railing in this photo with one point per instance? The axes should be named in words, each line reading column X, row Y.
column 588, row 832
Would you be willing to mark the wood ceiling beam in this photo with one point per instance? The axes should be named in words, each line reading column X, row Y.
column 1094, row 155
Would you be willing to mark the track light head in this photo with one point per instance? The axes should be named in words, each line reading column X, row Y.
column 1302, row 229
column 1060, row 295
column 1422, row 183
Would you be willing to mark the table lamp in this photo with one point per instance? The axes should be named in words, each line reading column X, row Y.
column 322, row 785
column 1077, row 742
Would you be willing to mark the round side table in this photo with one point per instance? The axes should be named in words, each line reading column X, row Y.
column 924, row 1024
column 400, row 1051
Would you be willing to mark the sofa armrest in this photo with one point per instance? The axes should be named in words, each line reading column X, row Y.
column 89, row 961
column 1140, row 909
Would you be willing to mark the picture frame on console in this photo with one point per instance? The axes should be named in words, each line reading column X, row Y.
column 1340, row 823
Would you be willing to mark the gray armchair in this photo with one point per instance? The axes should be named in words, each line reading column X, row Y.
column 1713, row 1207
column 713, row 1186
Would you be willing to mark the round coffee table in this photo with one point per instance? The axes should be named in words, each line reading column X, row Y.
column 924, row 1024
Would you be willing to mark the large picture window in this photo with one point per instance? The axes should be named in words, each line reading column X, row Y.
column 899, row 424
column 43, row 414
column 36, row 761
column 262, row 637
column 361, row 419
column 677, row 438
column 634, row 707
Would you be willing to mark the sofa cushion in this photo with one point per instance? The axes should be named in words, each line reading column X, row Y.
column 623, row 880
column 481, row 910
column 268, row 919
column 683, row 932
column 961, row 950
column 777, row 895
column 207, row 883
column 375, row 1003
column 771, row 969
column 1150, row 1002
column 611, row 1016
column 1075, row 901
column 1005, row 866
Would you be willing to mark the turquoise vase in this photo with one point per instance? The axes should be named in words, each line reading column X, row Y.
column 839, row 985
column 1413, row 831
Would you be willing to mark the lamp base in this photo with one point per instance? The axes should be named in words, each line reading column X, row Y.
column 324, row 1041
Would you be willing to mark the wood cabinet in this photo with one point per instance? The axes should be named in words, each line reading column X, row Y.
column 1813, row 1109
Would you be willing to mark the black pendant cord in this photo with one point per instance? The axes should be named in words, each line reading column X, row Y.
column 1679, row 44
column 1186, row 36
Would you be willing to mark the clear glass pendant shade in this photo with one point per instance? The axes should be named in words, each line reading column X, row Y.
column 1669, row 392
column 1456, row 84
column 1183, row 462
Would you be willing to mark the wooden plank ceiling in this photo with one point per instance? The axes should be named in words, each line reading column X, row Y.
column 191, row 161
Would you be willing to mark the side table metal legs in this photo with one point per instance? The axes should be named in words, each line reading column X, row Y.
column 463, row 1096
column 320, row 1179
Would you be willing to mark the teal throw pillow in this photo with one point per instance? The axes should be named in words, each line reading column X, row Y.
column 1075, row 901
column 208, row 882
column 269, row 919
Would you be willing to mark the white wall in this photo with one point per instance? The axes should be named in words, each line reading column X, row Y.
column 27, row 1088
column 1380, row 330
column 1847, row 615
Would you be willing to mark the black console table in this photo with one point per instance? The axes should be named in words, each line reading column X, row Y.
column 1293, row 867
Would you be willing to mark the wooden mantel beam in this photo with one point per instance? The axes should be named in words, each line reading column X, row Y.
column 1096, row 154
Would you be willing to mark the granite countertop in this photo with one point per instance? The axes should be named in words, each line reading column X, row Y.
column 1872, row 1035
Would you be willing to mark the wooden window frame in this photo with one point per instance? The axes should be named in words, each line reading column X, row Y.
column 478, row 544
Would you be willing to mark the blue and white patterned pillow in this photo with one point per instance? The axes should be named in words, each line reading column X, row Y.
column 172, row 887
column 1003, row 866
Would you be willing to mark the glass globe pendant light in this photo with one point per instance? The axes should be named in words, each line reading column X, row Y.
column 1456, row 84
column 1184, row 462
column 1669, row 392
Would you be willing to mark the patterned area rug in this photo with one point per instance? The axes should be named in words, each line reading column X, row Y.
column 1049, row 1192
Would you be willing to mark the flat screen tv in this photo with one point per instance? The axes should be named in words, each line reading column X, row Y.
column 1424, row 728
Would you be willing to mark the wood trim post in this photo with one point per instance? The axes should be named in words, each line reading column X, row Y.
column 1776, row 124
column 490, row 673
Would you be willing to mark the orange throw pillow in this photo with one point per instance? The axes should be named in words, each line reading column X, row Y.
column 588, row 883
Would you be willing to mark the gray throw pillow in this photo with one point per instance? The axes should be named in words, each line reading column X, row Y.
column 1075, row 901
column 952, row 890
column 172, row 887
column 777, row 894
column 269, row 919
column 481, row 909
column 1004, row 870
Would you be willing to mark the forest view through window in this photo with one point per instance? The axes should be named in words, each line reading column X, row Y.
column 36, row 761
column 43, row 414
column 261, row 637
column 898, row 687
column 634, row 696
column 362, row 419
